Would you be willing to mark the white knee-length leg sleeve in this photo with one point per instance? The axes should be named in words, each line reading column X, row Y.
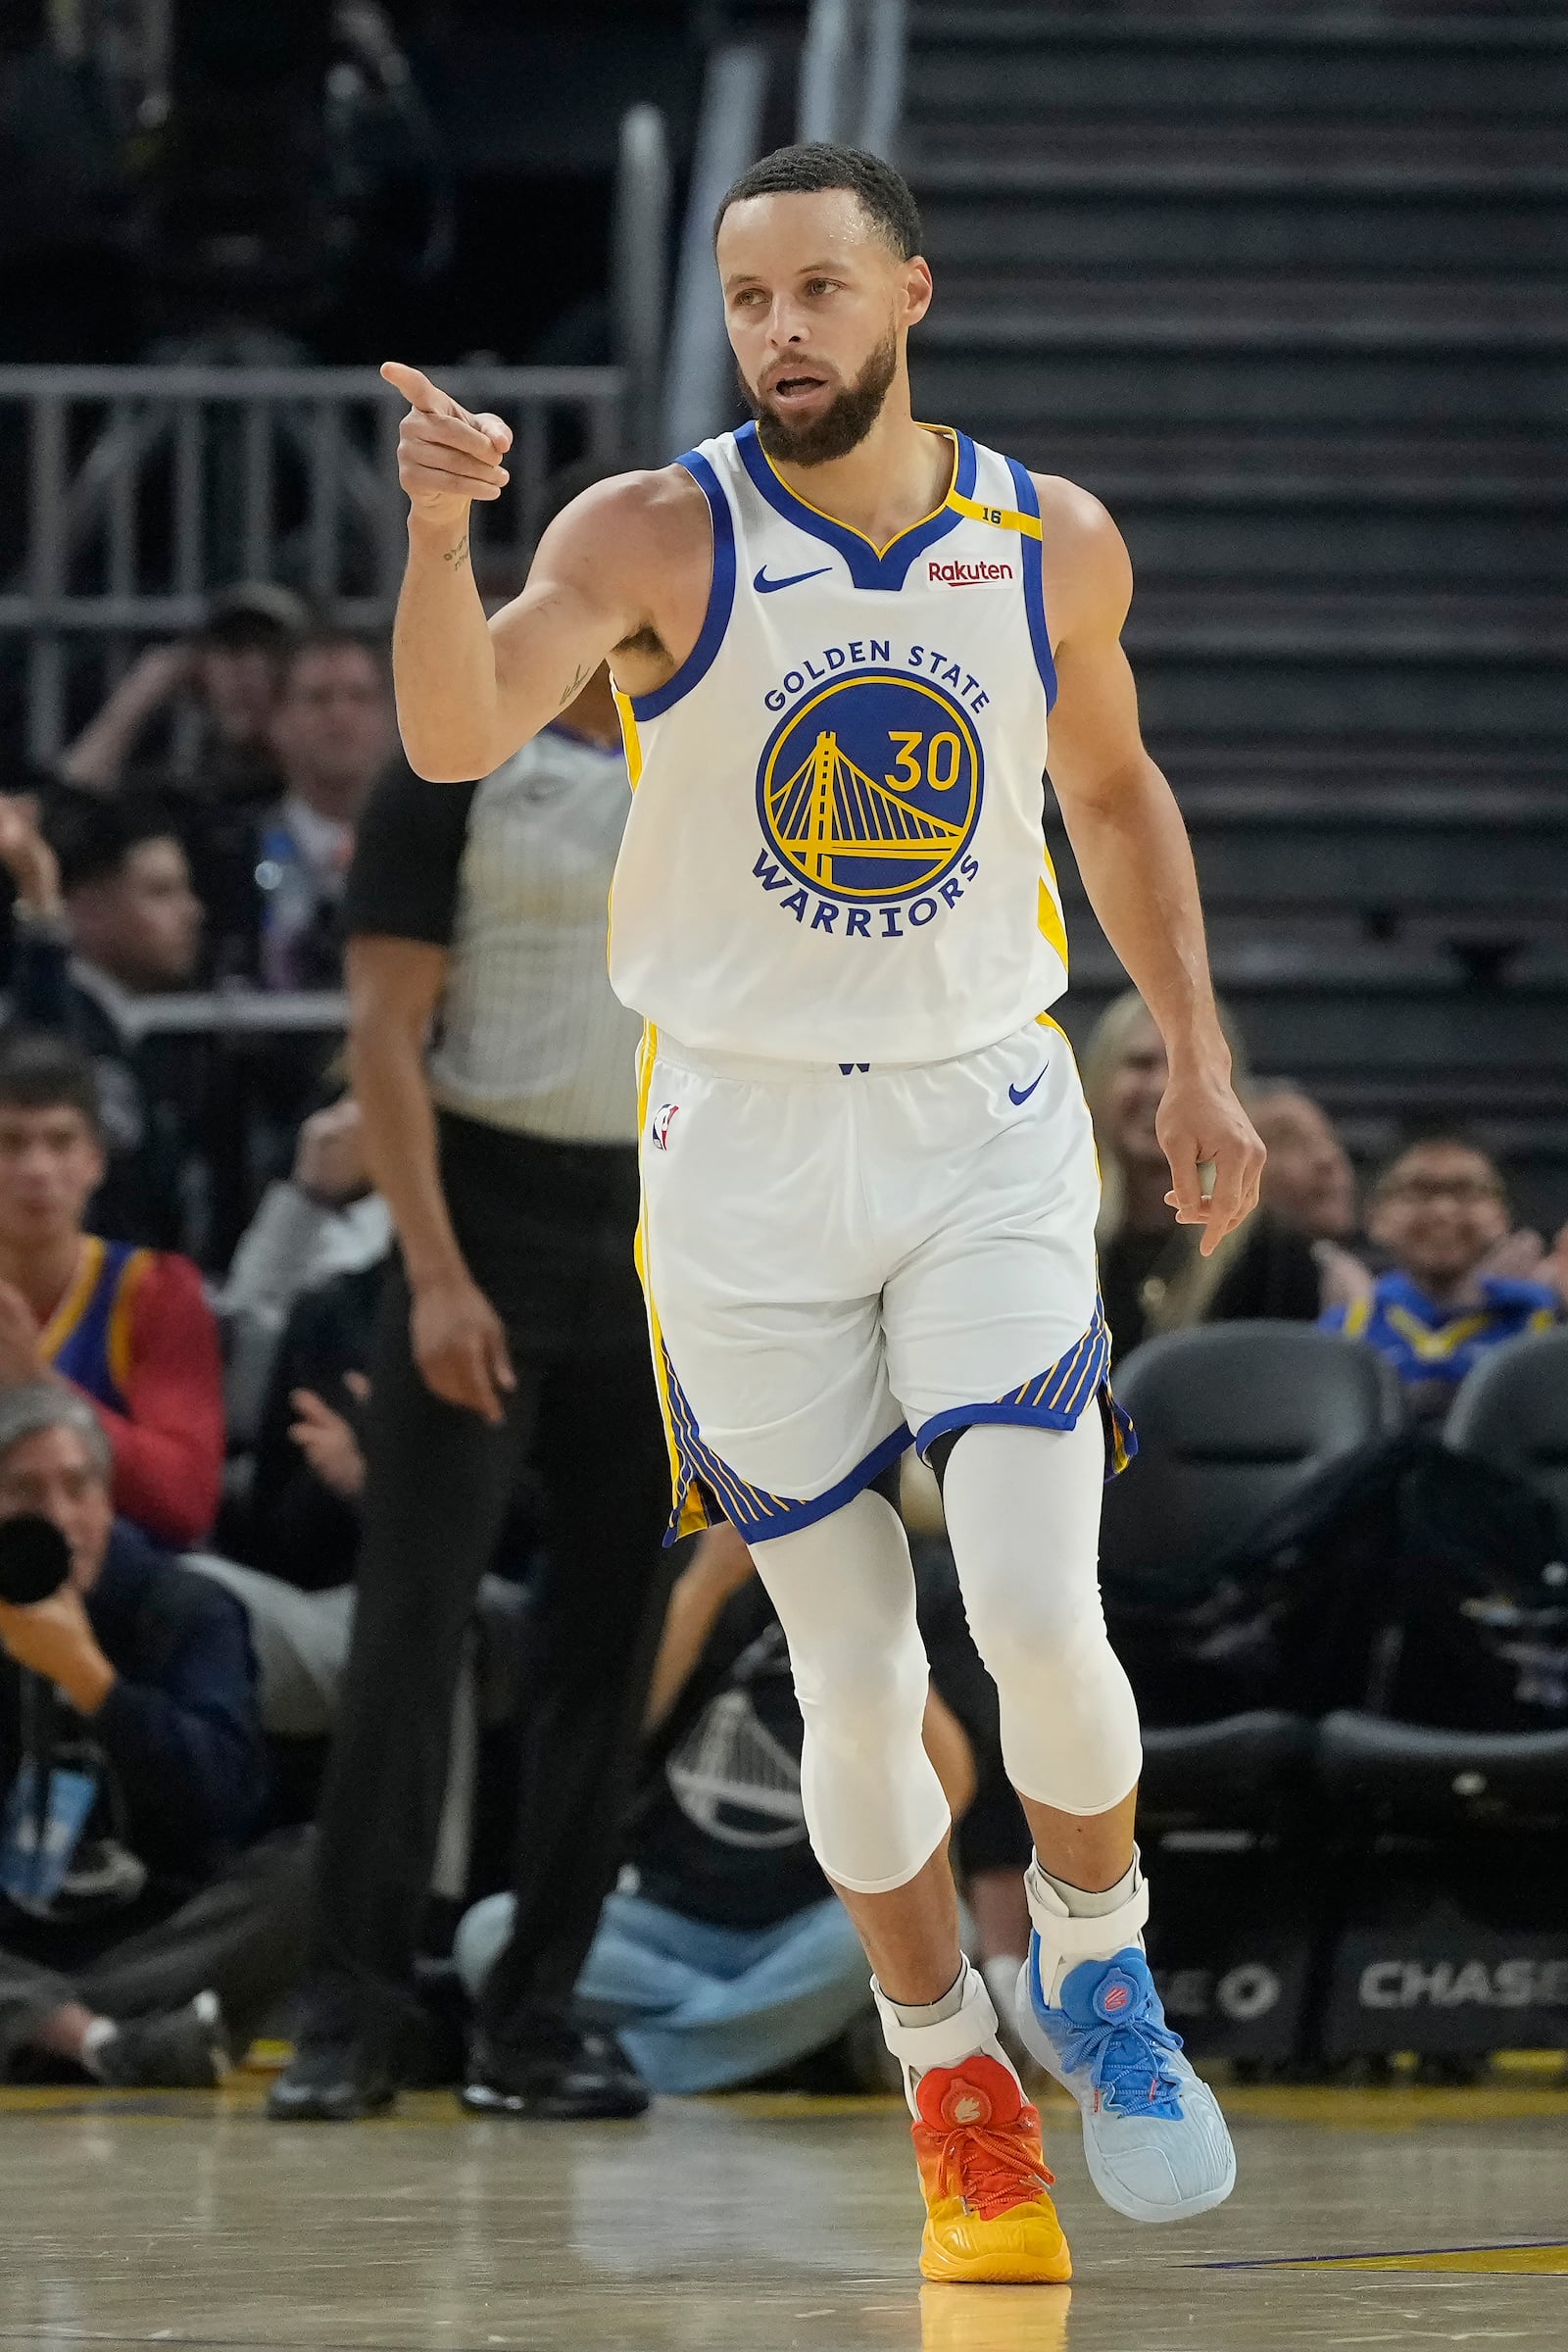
column 1023, row 1516
column 844, row 1590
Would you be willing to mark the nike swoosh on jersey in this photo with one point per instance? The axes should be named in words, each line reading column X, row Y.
column 766, row 587
column 1022, row 1093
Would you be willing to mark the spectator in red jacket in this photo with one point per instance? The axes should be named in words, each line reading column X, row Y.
column 131, row 1329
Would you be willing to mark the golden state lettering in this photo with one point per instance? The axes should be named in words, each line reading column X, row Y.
column 826, row 664
column 870, row 790
column 861, row 652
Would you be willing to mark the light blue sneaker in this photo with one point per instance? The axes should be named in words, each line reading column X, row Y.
column 1155, row 2140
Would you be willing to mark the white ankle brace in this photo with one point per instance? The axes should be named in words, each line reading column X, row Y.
column 969, row 2030
column 1066, row 1940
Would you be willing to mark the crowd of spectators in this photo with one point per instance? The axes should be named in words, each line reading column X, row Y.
column 193, row 1429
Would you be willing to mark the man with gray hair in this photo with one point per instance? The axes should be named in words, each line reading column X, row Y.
column 138, row 1941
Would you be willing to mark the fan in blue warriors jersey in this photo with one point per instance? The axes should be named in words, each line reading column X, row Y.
column 839, row 639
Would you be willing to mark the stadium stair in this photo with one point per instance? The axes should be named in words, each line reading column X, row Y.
column 1284, row 285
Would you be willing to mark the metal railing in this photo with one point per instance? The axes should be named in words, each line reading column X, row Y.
column 698, row 395
column 639, row 278
column 149, row 487
column 851, row 89
column 235, row 1011
column 852, row 72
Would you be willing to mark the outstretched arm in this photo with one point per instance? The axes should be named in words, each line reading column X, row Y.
column 1137, row 865
column 470, row 690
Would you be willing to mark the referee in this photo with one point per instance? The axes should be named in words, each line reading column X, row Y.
column 512, row 1332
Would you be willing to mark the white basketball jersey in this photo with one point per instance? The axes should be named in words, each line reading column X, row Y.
column 835, row 850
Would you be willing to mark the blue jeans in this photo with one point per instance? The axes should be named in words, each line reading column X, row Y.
column 700, row 2007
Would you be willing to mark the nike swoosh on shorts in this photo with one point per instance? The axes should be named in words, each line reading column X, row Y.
column 766, row 587
column 1022, row 1093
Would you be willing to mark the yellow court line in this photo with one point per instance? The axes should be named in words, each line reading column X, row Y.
column 1323, row 2106
column 1494, row 2261
column 1395, row 2109
column 1547, row 2260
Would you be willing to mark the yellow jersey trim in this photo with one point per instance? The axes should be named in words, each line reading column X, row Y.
column 119, row 1335
column 693, row 1516
column 629, row 735
column 1001, row 518
column 78, row 1293
column 1434, row 1346
column 1053, row 927
column 949, row 498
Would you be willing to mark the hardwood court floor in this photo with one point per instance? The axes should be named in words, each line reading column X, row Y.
column 1393, row 2218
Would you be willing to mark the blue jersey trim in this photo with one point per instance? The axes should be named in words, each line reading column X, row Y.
column 720, row 597
column 1121, row 1439
column 83, row 1350
column 821, row 1506
column 1054, row 1398
column 868, row 567
column 1034, row 580
column 783, row 1514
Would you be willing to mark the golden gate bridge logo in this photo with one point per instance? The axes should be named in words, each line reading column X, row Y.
column 872, row 788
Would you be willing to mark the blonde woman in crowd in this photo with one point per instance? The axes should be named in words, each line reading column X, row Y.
column 1153, row 1278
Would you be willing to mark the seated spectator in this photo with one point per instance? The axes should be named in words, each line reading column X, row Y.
column 129, row 1329
column 110, row 921
column 1438, row 1210
column 1308, row 1180
column 732, row 1958
column 133, row 1946
column 1153, row 1277
column 310, row 1468
column 324, row 1220
column 333, row 731
column 229, row 671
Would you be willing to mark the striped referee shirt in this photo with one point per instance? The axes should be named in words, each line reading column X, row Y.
column 512, row 876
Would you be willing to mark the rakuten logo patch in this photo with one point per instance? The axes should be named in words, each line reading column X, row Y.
column 966, row 576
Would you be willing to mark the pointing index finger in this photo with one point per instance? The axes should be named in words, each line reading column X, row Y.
column 418, row 390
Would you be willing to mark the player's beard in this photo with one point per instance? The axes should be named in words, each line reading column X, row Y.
column 841, row 425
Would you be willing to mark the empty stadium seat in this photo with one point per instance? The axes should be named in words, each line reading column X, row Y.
column 1229, row 1417
column 1410, row 1775
column 1513, row 1411
column 1240, row 1773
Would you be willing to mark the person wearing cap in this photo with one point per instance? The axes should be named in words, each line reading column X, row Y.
column 140, row 1941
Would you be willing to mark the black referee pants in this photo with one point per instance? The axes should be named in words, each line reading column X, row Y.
column 547, row 1232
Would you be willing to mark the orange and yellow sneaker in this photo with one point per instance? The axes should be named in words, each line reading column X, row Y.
column 989, row 2215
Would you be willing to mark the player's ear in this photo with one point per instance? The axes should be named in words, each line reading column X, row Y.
column 916, row 290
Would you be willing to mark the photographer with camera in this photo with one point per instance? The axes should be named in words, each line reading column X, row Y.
column 138, row 1940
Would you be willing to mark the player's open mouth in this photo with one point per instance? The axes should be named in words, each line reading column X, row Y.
column 788, row 388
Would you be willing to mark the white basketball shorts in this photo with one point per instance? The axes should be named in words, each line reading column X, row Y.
column 841, row 1261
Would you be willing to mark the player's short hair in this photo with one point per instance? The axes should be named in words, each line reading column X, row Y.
column 43, row 1072
column 816, row 167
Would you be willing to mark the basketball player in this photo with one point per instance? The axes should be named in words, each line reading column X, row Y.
column 868, row 1183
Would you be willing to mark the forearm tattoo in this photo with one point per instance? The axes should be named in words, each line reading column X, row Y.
column 458, row 554
column 580, row 680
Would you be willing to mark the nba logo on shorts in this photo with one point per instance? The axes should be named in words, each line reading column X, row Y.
column 663, row 1121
